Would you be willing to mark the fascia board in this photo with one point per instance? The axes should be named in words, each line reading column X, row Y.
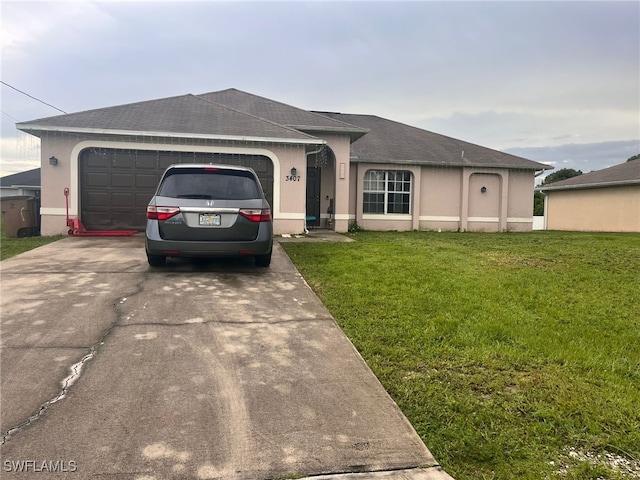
column 356, row 159
column 620, row 183
column 346, row 130
column 206, row 136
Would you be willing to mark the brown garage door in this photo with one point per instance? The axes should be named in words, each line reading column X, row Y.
column 116, row 185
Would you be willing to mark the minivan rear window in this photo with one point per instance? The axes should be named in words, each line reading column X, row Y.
column 212, row 184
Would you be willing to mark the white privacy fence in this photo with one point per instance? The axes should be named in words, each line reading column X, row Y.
column 538, row 222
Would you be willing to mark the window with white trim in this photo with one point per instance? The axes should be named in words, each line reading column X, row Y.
column 387, row 191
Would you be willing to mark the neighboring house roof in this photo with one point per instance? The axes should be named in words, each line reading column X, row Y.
column 394, row 142
column 183, row 116
column 624, row 174
column 30, row 178
column 282, row 113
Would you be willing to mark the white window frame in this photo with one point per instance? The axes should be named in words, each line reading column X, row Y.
column 386, row 192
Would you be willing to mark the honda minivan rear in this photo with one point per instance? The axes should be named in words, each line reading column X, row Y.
column 209, row 210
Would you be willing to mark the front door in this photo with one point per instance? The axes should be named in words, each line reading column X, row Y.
column 313, row 196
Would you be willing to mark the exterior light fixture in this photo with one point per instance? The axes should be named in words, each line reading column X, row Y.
column 294, row 172
column 483, row 189
column 53, row 161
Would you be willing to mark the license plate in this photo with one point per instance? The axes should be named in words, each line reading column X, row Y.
column 210, row 219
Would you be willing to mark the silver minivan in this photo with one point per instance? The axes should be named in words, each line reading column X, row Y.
column 202, row 210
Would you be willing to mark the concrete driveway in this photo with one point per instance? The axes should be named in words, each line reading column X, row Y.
column 197, row 370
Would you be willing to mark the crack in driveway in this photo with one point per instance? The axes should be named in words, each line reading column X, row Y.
column 75, row 371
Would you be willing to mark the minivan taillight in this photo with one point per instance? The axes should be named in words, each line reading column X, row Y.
column 256, row 214
column 161, row 213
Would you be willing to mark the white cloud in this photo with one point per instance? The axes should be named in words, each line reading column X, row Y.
column 510, row 129
column 51, row 27
column 501, row 74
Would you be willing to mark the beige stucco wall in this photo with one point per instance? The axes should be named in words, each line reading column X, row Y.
column 353, row 191
column 327, row 192
column 520, row 206
column 507, row 204
column 451, row 199
column 443, row 198
column 289, row 196
column 381, row 222
column 485, row 207
column 440, row 199
column 341, row 147
column 289, row 212
column 607, row 209
column 54, row 179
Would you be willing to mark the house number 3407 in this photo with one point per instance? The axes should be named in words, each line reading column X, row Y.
column 292, row 178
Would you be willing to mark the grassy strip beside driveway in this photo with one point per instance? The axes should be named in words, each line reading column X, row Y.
column 513, row 355
column 10, row 247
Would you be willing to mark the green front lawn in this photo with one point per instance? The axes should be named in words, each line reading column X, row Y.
column 514, row 356
column 10, row 247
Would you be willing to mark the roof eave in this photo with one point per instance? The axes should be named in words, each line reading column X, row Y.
column 354, row 133
column 31, row 128
column 20, row 185
column 357, row 159
column 581, row 186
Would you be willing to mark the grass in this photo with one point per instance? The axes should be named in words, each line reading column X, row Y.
column 514, row 356
column 10, row 247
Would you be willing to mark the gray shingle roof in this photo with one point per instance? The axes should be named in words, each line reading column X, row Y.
column 186, row 115
column 623, row 174
column 235, row 114
column 281, row 113
column 394, row 142
column 29, row 178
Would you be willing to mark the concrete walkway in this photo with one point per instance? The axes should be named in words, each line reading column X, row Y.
column 198, row 370
column 316, row 235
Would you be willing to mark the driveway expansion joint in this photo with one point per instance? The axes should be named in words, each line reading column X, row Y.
column 430, row 472
column 26, row 272
column 46, row 347
column 225, row 322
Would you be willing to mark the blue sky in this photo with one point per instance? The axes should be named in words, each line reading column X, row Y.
column 557, row 82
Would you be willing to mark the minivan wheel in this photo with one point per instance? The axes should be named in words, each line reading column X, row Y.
column 156, row 260
column 263, row 260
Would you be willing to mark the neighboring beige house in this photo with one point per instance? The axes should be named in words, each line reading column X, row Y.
column 606, row 200
column 317, row 168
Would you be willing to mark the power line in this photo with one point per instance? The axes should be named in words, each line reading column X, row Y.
column 31, row 96
column 12, row 118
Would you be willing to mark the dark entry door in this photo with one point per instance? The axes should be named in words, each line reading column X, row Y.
column 313, row 196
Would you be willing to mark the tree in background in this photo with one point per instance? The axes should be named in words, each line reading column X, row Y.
column 538, row 204
column 561, row 174
column 635, row 157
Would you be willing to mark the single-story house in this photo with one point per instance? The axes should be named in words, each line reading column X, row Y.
column 606, row 200
column 317, row 168
column 21, row 184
